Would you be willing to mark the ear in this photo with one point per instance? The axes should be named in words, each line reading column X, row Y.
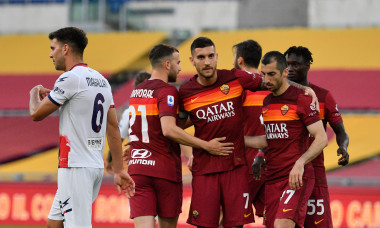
column 285, row 72
column 65, row 49
column 307, row 66
column 192, row 60
column 166, row 64
column 240, row 61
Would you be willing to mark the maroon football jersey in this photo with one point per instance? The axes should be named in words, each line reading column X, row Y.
column 328, row 113
column 285, row 118
column 216, row 111
column 152, row 154
column 253, row 121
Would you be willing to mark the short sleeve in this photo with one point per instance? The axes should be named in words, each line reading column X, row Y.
column 124, row 124
column 332, row 114
column 167, row 101
column 248, row 80
column 64, row 88
column 306, row 110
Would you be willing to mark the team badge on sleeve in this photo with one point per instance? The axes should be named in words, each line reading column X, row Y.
column 284, row 109
column 170, row 100
column 225, row 89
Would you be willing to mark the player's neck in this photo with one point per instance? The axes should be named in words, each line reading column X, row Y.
column 207, row 81
column 282, row 89
column 157, row 74
column 71, row 62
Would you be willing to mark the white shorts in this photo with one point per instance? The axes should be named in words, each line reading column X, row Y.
column 77, row 190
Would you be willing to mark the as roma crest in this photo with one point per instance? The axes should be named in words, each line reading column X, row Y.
column 225, row 89
column 284, row 109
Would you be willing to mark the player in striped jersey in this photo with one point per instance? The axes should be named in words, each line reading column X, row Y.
column 155, row 163
column 299, row 60
column 288, row 118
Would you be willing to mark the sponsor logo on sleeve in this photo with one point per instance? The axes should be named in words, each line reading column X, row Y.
column 170, row 101
column 225, row 89
column 58, row 90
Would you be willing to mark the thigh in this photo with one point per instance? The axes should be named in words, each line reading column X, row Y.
column 169, row 197
column 257, row 194
column 205, row 201
column 237, row 207
column 293, row 203
column 318, row 208
column 76, row 193
column 144, row 202
column 55, row 210
column 273, row 193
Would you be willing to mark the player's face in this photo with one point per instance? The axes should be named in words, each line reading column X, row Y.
column 273, row 78
column 297, row 68
column 56, row 54
column 175, row 68
column 205, row 61
column 235, row 63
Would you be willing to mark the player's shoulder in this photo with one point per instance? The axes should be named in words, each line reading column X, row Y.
column 318, row 88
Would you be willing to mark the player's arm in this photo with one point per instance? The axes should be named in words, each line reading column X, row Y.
column 122, row 180
column 39, row 109
column 188, row 152
column 320, row 141
column 177, row 134
column 256, row 142
column 342, row 140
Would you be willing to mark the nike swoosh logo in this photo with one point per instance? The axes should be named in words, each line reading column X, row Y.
column 192, row 100
column 245, row 216
column 286, row 210
column 317, row 222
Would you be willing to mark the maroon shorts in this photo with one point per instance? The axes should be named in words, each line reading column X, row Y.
column 156, row 196
column 318, row 209
column 283, row 203
column 257, row 194
column 228, row 190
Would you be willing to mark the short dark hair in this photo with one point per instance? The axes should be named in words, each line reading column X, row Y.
column 277, row 56
column 300, row 51
column 141, row 76
column 250, row 51
column 160, row 52
column 201, row 42
column 76, row 38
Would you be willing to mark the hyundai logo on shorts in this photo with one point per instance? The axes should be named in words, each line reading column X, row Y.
column 140, row 153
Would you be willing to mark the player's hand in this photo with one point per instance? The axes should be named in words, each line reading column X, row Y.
column 42, row 91
column 217, row 147
column 345, row 156
column 310, row 92
column 124, row 182
column 258, row 162
column 295, row 176
column 190, row 162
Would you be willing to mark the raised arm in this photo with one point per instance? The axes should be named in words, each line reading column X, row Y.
column 39, row 109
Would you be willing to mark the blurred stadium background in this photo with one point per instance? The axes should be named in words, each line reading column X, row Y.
column 343, row 35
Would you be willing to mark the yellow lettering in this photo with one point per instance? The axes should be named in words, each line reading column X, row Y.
column 19, row 211
column 353, row 212
column 366, row 217
column 40, row 206
column 100, row 209
column 5, row 206
column 376, row 214
column 337, row 212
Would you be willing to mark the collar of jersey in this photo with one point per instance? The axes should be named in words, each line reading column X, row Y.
column 79, row 64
